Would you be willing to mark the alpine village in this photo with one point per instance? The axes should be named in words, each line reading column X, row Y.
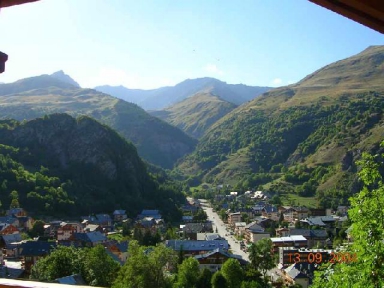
column 202, row 184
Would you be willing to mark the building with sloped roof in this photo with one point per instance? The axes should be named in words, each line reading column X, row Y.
column 195, row 247
column 214, row 259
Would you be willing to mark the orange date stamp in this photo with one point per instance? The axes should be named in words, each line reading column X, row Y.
column 320, row 258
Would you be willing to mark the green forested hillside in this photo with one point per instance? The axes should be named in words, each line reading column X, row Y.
column 196, row 114
column 301, row 139
column 156, row 141
column 60, row 165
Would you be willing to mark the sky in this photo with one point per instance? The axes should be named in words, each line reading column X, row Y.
column 149, row 44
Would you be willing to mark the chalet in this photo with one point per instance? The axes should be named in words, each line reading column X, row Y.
column 148, row 224
column 187, row 219
column 270, row 212
column 294, row 275
column 214, row 259
column 8, row 229
column 32, row 251
column 11, row 244
column 282, row 232
column 318, row 237
column 9, row 220
column 240, row 228
column 320, row 221
column 190, row 230
column 208, row 236
column 50, row 230
column 257, row 210
column 92, row 228
column 87, row 239
column 155, row 214
column 67, row 230
column 300, row 212
column 317, row 212
column 194, row 247
column 233, row 218
column 297, row 241
column 25, row 223
column 119, row 215
column 254, row 232
column 119, row 249
column 264, row 222
column 16, row 212
column 103, row 220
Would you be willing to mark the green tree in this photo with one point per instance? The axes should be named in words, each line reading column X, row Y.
column 99, row 268
column 63, row 261
column 188, row 273
column 232, row 272
column 15, row 199
column 261, row 256
column 146, row 267
column 204, row 280
column 218, row 280
column 367, row 218
column 37, row 229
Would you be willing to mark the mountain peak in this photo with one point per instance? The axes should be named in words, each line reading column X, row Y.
column 60, row 75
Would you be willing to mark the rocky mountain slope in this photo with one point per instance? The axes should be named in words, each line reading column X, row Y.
column 156, row 141
column 301, row 139
column 196, row 114
column 157, row 99
column 62, row 165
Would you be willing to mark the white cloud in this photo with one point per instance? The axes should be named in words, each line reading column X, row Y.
column 212, row 68
column 277, row 81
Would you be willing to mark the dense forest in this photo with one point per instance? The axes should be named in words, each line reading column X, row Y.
column 59, row 165
column 301, row 139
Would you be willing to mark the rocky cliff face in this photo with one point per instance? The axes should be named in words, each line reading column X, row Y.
column 83, row 140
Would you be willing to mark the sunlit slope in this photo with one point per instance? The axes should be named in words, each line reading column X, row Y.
column 197, row 113
column 324, row 120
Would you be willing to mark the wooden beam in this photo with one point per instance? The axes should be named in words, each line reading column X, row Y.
column 367, row 12
column 8, row 3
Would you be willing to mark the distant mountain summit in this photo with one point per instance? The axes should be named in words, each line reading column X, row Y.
column 157, row 99
column 60, row 75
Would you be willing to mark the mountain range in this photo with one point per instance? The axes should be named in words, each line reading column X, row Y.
column 156, row 141
column 157, row 99
column 302, row 139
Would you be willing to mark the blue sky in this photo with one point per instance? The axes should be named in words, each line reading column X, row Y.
column 149, row 44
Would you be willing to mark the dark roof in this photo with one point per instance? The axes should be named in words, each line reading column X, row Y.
column 197, row 227
column 270, row 209
column 119, row 212
column 123, row 246
column 90, row 237
column 11, row 238
column 195, row 245
column 295, row 273
column 75, row 279
column 103, row 218
column 36, row 248
column 150, row 212
column 319, row 233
